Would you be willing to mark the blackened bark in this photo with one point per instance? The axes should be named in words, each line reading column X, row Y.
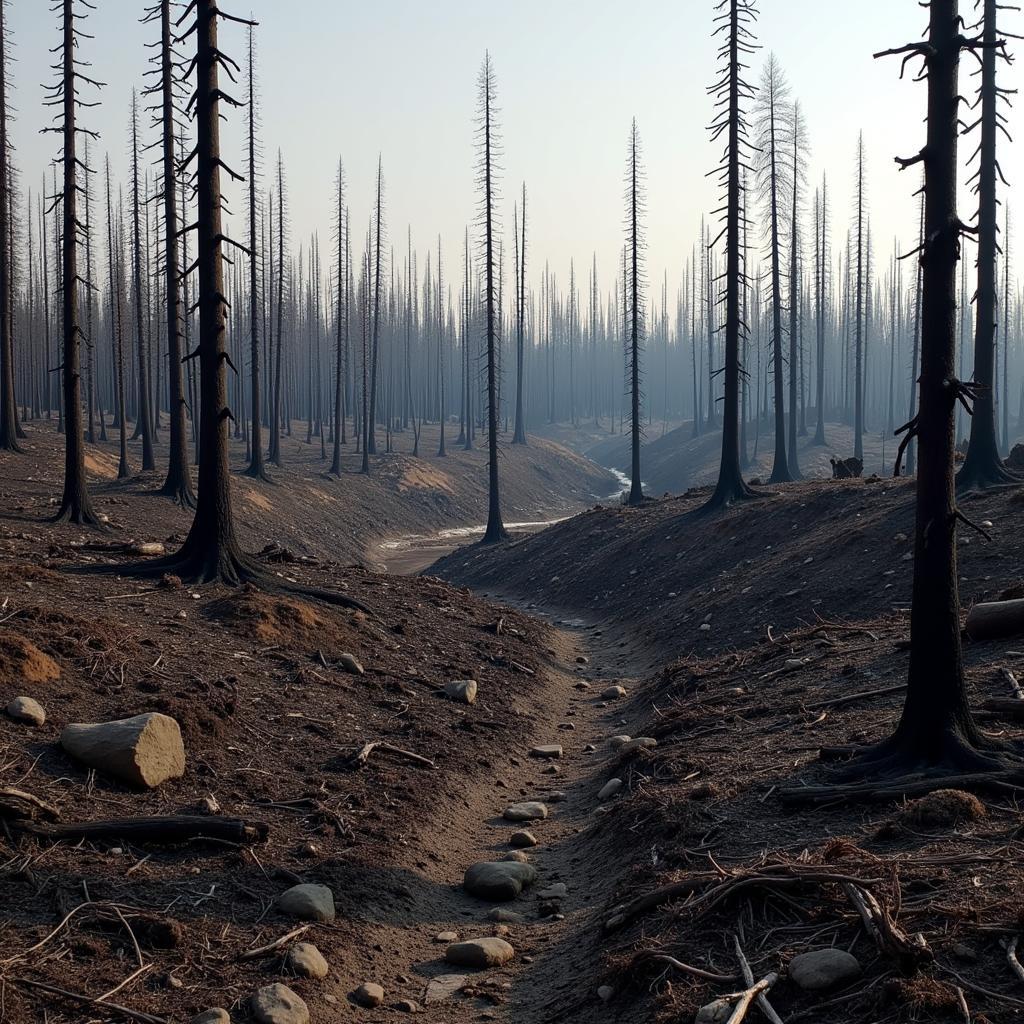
column 256, row 467
column 8, row 402
column 495, row 527
column 983, row 466
column 144, row 421
column 178, row 484
column 731, row 486
column 75, row 506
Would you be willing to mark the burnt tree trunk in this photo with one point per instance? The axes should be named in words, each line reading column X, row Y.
column 144, row 419
column 75, row 505
column 495, row 527
column 983, row 466
column 732, row 89
column 256, row 467
column 178, row 484
column 8, row 406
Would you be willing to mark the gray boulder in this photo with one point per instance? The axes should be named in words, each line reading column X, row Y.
column 498, row 881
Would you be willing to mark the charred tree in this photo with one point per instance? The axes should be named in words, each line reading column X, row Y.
column 733, row 20
column 257, row 467
column 274, row 454
column 936, row 740
column 8, row 402
column 370, row 441
column 983, row 466
column 858, row 399
column 821, row 305
column 519, row 436
column 144, row 416
column 488, row 149
column 75, row 505
column 798, row 147
column 117, row 332
column 340, row 326
column 178, row 483
column 775, row 116
column 634, row 307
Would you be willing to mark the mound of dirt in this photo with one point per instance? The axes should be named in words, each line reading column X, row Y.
column 679, row 582
column 22, row 662
column 284, row 621
column 942, row 809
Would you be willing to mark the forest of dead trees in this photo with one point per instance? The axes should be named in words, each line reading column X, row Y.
column 365, row 331
column 161, row 309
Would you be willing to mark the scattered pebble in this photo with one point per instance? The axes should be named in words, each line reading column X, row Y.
column 307, row 902
column 305, row 960
column 609, row 789
column 531, row 810
column 27, row 710
column 823, row 969
column 463, row 690
column 278, row 1004
column 480, row 953
column 369, row 994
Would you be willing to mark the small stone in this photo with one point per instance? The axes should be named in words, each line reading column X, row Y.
column 208, row 805
column 617, row 741
column 504, row 916
column 369, row 994
column 498, row 880
column 27, row 710
column 480, row 953
column 558, row 891
column 147, row 549
column 531, row 810
column 589, row 748
column 556, row 796
column 705, row 627
column 582, row 685
column 349, row 663
column 443, row 987
column 305, row 960
column 609, row 789
column 216, row 1015
column 278, row 1004
column 582, row 659
column 552, row 769
column 823, row 969
column 613, row 693
column 446, row 937
column 307, row 902
column 605, row 993
column 640, row 743
column 522, row 839
column 462, row 690
column 716, row 1012
column 407, row 1006
column 548, row 750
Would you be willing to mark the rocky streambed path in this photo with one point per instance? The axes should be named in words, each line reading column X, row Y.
column 502, row 921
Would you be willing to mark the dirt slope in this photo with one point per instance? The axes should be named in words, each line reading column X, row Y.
column 673, row 460
column 836, row 550
column 315, row 514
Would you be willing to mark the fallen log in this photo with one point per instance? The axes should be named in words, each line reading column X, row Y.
column 993, row 619
column 171, row 829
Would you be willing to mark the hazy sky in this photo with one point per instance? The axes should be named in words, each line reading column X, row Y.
column 398, row 78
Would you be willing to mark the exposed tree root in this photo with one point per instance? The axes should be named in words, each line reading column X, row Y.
column 983, row 475
column 223, row 564
column 180, row 493
column 890, row 771
column 728, row 495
